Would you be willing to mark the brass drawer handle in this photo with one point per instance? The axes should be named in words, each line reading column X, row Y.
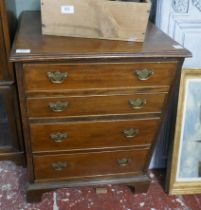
column 131, row 132
column 123, row 161
column 57, row 77
column 137, row 103
column 58, row 137
column 58, row 106
column 59, row 166
column 144, row 74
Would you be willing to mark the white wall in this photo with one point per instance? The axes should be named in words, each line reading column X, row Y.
column 26, row 5
column 181, row 19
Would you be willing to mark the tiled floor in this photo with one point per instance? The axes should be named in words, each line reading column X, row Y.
column 12, row 196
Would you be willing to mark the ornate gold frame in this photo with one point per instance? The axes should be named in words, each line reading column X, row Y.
column 182, row 187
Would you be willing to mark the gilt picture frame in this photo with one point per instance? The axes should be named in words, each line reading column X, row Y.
column 185, row 169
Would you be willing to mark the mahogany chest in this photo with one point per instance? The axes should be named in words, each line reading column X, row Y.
column 92, row 109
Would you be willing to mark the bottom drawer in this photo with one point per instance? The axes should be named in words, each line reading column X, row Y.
column 69, row 166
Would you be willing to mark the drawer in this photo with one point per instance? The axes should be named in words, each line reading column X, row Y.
column 92, row 135
column 44, row 77
column 95, row 105
column 68, row 166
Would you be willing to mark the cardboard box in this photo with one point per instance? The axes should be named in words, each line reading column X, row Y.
column 101, row 19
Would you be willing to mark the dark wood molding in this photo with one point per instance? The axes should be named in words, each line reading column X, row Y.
column 138, row 184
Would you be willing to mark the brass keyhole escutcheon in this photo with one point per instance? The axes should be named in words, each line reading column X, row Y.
column 58, row 106
column 57, row 77
column 144, row 74
column 131, row 132
column 137, row 103
column 123, row 161
column 58, row 137
column 59, row 166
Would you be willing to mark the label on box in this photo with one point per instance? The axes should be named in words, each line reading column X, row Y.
column 132, row 39
column 23, row 51
column 67, row 9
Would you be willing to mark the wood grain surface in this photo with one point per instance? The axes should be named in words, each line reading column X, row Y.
column 97, row 76
column 89, row 164
column 92, row 135
column 115, row 20
column 95, row 105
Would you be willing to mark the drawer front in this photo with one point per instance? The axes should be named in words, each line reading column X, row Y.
column 53, row 78
column 68, row 166
column 96, row 105
column 92, row 135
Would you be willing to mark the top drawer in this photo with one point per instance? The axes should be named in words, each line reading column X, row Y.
column 60, row 77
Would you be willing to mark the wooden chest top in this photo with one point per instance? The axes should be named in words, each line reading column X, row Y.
column 40, row 47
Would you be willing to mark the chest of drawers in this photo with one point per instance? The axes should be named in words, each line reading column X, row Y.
column 92, row 109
